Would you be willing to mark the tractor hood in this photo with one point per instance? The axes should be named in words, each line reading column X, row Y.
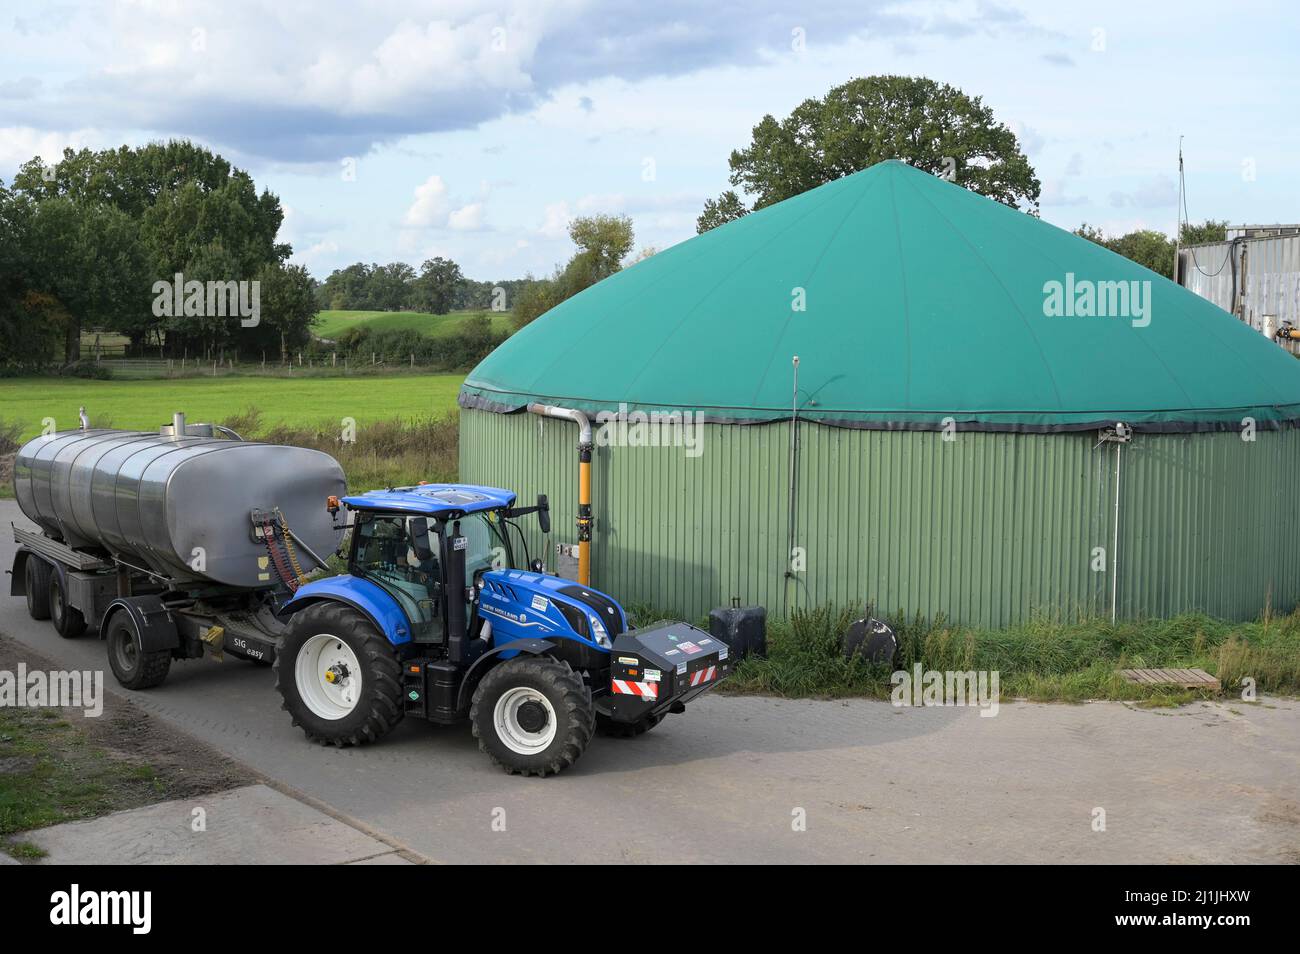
column 522, row 605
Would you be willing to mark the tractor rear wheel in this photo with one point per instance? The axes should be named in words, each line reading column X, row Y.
column 338, row 676
column 533, row 715
column 36, row 580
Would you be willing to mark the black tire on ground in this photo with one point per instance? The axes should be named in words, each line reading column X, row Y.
column 36, row 580
column 132, row 666
column 68, row 621
column 568, row 697
column 379, row 707
column 625, row 730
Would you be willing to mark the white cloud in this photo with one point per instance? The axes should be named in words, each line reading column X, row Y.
column 21, row 143
column 430, row 206
column 555, row 224
column 469, row 218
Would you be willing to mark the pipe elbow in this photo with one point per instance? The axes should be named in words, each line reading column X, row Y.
column 565, row 414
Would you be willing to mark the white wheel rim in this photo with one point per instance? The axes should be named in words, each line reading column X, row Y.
column 505, row 716
column 328, row 677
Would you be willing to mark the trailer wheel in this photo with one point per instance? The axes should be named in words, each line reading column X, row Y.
column 625, row 730
column 338, row 676
column 132, row 666
column 68, row 621
column 36, row 580
column 533, row 715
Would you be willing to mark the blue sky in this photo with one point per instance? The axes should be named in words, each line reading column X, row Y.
column 477, row 130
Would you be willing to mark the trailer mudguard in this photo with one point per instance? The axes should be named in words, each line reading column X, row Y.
column 531, row 647
column 362, row 595
column 151, row 619
column 18, row 575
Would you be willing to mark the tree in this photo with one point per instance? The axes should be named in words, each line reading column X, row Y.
column 288, row 307
column 725, row 208
column 603, row 242
column 1147, row 247
column 1210, row 230
column 933, row 126
column 439, row 284
column 89, row 259
column 175, row 207
column 32, row 326
column 534, row 299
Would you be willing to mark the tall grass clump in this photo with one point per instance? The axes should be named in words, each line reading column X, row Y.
column 1042, row 659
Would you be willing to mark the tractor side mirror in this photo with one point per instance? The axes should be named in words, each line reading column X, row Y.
column 543, row 513
column 418, row 528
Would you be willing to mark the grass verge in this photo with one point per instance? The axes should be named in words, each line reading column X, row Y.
column 57, row 766
column 1040, row 660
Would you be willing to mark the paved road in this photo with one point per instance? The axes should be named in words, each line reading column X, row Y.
column 724, row 782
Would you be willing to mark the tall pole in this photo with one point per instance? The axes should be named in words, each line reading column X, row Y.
column 1178, row 212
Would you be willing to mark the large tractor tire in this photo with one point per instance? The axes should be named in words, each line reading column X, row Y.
column 132, row 666
column 36, row 580
column 68, row 621
column 338, row 676
column 625, row 730
column 533, row 715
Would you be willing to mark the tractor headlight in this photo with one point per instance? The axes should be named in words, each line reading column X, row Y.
column 598, row 633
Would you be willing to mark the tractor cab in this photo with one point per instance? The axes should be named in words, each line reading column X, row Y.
column 424, row 543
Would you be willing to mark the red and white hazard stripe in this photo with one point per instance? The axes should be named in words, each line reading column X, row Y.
column 649, row 690
column 701, row 676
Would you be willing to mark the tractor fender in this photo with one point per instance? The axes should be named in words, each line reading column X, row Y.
column 367, row 598
column 151, row 619
column 533, row 647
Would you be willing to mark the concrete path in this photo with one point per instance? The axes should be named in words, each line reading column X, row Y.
column 768, row 781
column 253, row 825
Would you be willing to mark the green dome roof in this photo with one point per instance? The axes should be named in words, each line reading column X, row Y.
column 921, row 301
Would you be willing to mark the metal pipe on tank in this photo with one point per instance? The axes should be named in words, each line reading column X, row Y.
column 178, row 425
column 584, row 480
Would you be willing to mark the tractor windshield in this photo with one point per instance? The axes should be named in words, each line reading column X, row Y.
column 487, row 546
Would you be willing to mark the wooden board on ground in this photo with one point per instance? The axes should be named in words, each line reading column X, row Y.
column 1183, row 678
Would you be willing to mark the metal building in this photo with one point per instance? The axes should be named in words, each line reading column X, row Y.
column 1254, row 274
column 990, row 418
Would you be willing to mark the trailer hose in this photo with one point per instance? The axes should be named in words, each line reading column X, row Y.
column 282, row 559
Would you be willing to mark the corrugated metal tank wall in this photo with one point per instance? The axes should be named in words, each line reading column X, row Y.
column 988, row 529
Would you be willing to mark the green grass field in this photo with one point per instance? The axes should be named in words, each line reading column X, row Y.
column 304, row 400
column 330, row 324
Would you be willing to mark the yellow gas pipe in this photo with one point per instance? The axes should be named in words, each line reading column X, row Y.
column 584, row 480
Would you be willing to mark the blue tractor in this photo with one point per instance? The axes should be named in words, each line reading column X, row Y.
column 435, row 619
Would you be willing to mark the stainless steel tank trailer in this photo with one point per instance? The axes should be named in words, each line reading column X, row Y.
column 188, row 542
column 173, row 544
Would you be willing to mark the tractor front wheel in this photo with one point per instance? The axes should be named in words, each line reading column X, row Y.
column 338, row 676
column 533, row 715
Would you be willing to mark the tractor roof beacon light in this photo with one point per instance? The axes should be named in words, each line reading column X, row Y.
column 584, row 480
